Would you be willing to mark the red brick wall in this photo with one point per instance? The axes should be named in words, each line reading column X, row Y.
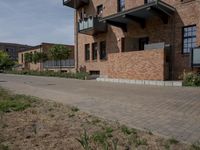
column 139, row 65
column 156, row 30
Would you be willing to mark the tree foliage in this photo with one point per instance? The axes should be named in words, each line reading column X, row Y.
column 5, row 61
column 59, row 53
column 28, row 57
column 39, row 57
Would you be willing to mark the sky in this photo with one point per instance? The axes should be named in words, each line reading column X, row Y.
column 32, row 22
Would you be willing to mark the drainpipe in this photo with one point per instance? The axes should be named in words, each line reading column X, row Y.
column 76, row 40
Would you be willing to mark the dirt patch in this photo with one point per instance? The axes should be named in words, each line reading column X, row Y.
column 48, row 125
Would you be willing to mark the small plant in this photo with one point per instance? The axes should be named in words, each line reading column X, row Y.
column 84, row 141
column 99, row 137
column 167, row 146
column 191, row 79
column 173, row 141
column 96, row 121
column 195, row 146
column 4, row 147
column 141, row 142
column 75, row 109
column 128, row 131
column 115, row 143
column 71, row 115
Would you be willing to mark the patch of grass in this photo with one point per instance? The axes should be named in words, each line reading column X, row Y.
column 173, row 141
column 75, row 109
column 71, row 115
column 9, row 102
column 195, row 146
column 141, row 142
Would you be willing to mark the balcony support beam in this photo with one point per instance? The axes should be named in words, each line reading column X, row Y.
column 140, row 21
column 162, row 15
column 123, row 26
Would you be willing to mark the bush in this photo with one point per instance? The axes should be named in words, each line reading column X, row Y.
column 191, row 79
column 78, row 75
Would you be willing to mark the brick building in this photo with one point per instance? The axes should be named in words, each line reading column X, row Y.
column 67, row 65
column 12, row 49
column 136, row 39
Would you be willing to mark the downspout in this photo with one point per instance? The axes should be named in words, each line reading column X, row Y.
column 76, row 40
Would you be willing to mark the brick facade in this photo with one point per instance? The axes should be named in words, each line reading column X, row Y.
column 120, row 64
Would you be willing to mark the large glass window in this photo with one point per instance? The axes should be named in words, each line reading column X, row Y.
column 87, row 52
column 103, row 53
column 189, row 38
column 94, row 51
column 121, row 5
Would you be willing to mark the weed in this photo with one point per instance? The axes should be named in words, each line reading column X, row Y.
column 195, row 146
column 115, row 143
column 128, row 131
column 84, row 141
column 167, row 146
column 96, row 121
column 4, row 147
column 99, row 137
column 75, row 109
column 141, row 142
column 71, row 115
column 173, row 141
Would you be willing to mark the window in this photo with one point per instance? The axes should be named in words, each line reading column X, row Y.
column 87, row 52
column 103, row 54
column 189, row 38
column 94, row 51
column 100, row 11
column 121, row 5
column 142, row 42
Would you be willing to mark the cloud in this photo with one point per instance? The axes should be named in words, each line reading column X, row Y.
column 33, row 22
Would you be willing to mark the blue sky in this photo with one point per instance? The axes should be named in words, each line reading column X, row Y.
column 35, row 21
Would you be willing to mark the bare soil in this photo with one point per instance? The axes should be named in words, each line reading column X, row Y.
column 48, row 125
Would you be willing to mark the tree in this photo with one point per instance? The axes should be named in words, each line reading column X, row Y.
column 5, row 61
column 28, row 57
column 39, row 57
column 59, row 53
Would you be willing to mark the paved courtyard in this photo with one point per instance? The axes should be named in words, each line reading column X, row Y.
column 167, row 111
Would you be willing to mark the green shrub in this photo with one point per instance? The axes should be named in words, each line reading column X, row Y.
column 191, row 79
column 78, row 75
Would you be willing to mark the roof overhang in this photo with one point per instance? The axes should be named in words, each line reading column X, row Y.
column 140, row 14
column 75, row 3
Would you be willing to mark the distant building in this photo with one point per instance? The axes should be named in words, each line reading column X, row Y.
column 12, row 49
column 51, row 65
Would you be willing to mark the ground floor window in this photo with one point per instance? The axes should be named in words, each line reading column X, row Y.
column 94, row 51
column 189, row 38
column 87, row 52
column 103, row 53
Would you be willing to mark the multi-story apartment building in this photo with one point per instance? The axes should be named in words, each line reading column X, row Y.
column 51, row 65
column 12, row 49
column 137, row 39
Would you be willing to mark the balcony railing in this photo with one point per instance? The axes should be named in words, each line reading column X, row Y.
column 75, row 3
column 51, row 64
column 91, row 26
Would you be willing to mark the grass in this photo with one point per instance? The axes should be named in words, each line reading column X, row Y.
column 4, row 147
column 9, row 103
column 195, row 146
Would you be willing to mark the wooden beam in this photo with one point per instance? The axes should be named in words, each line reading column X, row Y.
column 123, row 26
column 140, row 21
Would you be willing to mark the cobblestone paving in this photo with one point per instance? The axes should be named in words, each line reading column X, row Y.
column 167, row 111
